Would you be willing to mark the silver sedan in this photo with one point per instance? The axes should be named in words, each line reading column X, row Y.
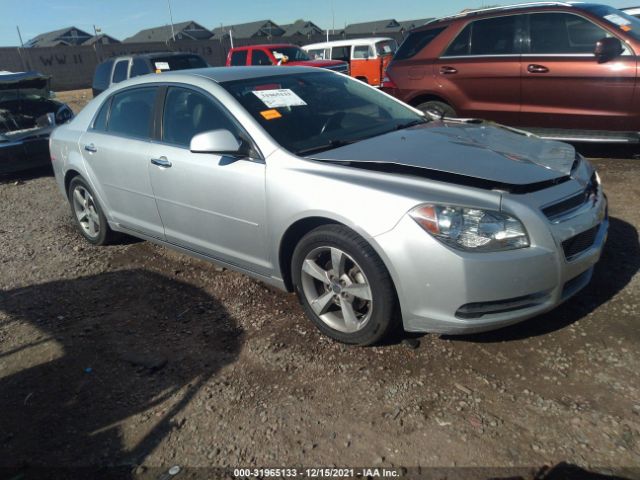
column 373, row 213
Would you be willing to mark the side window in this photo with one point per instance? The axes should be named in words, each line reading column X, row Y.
column 131, row 112
column 258, row 57
column 494, row 36
column 415, row 42
column 101, row 78
column 362, row 51
column 239, row 58
column 100, row 122
column 139, row 67
column 188, row 113
column 120, row 71
column 563, row 33
column 341, row 53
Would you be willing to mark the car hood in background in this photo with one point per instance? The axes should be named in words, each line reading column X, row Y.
column 487, row 151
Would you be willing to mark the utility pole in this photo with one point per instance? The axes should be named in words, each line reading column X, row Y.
column 20, row 36
column 173, row 33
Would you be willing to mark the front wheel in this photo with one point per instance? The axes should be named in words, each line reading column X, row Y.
column 344, row 286
column 437, row 107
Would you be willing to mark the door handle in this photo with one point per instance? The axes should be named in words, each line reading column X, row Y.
column 91, row 148
column 537, row 69
column 448, row 70
column 161, row 162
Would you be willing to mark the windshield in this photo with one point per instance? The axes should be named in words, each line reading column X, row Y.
column 387, row 47
column 312, row 112
column 178, row 62
column 293, row 54
column 616, row 18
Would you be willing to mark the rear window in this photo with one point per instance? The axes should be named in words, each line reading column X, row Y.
column 386, row 47
column 493, row 36
column 239, row 58
column 131, row 113
column 178, row 62
column 416, row 41
column 139, row 67
column 101, row 77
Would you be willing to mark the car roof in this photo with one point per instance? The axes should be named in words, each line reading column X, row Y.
column 491, row 11
column 230, row 74
column 264, row 45
column 353, row 41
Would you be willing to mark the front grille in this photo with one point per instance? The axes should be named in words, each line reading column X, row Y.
column 589, row 194
column 581, row 242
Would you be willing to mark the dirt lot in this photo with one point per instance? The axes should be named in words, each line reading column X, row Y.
column 133, row 355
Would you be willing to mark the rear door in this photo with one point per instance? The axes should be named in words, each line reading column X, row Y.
column 211, row 204
column 116, row 150
column 564, row 86
column 479, row 73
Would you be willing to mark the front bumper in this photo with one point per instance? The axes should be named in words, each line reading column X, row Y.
column 446, row 291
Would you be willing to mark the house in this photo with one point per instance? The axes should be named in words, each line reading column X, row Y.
column 407, row 25
column 260, row 29
column 378, row 27
column 301, row 27
column 102, row 39
column 64, row 36
column 183, row 31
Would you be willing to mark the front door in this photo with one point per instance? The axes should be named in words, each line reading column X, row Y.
column 564, row 86
column 210, row 204
column 365, row 65
column 116, row 151
column 479, row 73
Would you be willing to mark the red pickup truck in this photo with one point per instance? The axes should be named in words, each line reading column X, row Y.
column 280, row 54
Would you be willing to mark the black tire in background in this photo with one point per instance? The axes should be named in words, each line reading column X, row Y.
column 441, row 108
column 383, row 318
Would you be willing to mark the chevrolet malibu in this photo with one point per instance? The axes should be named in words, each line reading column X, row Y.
column 373, row 213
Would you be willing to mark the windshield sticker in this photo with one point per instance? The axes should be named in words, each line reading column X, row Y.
column 162, row 66
column 387, row 49
column 282, row 97
column 618, row 20
column 271, row 114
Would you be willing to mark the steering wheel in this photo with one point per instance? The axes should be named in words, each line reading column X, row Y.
column 332, row 122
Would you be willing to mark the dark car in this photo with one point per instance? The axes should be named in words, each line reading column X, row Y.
column 563, row 71
column 115, row 70
column 28, row 114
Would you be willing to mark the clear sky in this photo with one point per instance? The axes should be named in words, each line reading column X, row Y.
column 122, row 18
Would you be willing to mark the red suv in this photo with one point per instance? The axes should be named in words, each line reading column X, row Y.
column 280, row 54
column 564, row 71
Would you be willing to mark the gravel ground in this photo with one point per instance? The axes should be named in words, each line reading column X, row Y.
column 134, row 355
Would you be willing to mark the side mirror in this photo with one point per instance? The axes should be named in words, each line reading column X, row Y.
column 607, row 49
column 222, row 142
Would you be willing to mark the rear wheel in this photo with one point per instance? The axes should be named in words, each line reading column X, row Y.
column 88, row 214
column 438, row 107
column 343, row 286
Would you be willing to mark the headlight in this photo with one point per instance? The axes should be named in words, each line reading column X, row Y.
column 471, row 229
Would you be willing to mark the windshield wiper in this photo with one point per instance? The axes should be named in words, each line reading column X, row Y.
column 326, row 146
column 412, row 123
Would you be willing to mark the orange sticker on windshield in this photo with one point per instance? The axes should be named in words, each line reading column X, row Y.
column 271, row 114
column 626, row 28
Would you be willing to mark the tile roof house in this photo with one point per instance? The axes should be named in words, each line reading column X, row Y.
column 183, row 31
column 262, row 28
column 301, row 27
column 377, row 27
column 102, row 39
column 64, row 36
column 407, row 25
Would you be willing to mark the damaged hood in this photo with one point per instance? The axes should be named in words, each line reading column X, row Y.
column 483, row 151
column 24, row 80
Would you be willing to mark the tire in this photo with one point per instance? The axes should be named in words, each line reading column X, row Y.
column 356, row 307
column 437, row 106
column 86, row 211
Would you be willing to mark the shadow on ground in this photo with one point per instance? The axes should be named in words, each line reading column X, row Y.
column 113, row 347
column 619, row 263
